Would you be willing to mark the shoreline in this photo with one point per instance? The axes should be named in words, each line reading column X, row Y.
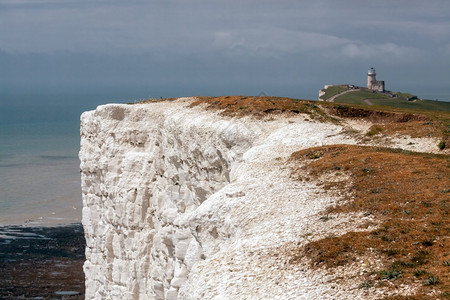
column 45, row 216
column 43, row 261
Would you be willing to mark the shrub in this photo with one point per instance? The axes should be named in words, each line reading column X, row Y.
column 365, row 285
column 419, row 272
column 374, row 130
column 433, row 280
column 391, row 274
column 325, row 218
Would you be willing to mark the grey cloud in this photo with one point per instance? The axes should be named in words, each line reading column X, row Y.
column 286, row 47
column 118, row 26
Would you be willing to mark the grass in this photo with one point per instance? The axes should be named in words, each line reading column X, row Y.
column 367, row 284
column 150, row 100
column 391, row 274
column 409, row 204
column 416, row 104
column 358, row 97
column 262, row 105
column 333, row 90
column 386, row 99
column 433, row 280
column 419, row 272
column 388, row 120
column 374, row 130
column 404, row 121
column 406, row 96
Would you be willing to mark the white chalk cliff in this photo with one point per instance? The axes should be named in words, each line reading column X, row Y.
column 183, row 203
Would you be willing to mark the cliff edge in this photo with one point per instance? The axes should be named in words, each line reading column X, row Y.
column 185, row 202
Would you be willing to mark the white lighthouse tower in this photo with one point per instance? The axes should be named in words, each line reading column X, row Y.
column 371, row 76
column 372, row 82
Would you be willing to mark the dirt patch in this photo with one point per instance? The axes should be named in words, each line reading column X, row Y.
column 409, row 193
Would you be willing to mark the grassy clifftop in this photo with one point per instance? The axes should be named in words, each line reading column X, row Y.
column 386, row 119
column 362, row 96
column 399, row 100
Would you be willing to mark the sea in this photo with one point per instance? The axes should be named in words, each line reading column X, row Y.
column 39, row 145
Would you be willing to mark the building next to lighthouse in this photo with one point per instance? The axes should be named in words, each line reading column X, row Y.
column 372, row 82
column 332, row 91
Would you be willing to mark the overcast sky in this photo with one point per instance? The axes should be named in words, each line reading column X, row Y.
column 183, row 48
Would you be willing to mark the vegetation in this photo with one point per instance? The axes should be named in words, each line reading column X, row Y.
column 397, row 100
column 388, row 120
column 366, row 285
column 408, row 193
column 358, row 97
column 333, row 91
column 406, row 96
column 374, row 130
column 262, row 105
column 150, row 100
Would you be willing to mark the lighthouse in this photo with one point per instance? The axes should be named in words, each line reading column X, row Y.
column 371, row 76
column 373, row 83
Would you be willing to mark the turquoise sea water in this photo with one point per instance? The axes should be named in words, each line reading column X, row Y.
column 39, row 173
column 39, row 165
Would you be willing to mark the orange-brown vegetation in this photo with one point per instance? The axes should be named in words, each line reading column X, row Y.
column 394, row 121
column 261, row 105
column 408, row 193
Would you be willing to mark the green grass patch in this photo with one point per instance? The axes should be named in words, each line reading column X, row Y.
column 406, row 96
column 358, row 97
column 415, row 104
column 401, row 102
column 333, row 90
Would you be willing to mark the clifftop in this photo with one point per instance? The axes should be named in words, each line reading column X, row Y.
column 351, row 94
column 264, row 197
column 384, row 121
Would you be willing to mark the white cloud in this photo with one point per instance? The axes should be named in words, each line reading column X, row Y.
column 275, row 41
column 384, row 51
column 227, row 39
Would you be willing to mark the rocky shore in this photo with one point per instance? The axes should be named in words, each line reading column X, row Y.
column 42, row 262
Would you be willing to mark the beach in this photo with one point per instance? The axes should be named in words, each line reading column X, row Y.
column 41, row 237
column 42, row 262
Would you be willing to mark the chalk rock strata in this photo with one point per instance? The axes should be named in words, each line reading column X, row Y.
column 182, row 203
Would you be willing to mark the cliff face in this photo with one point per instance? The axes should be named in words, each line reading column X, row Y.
column 145, row 169
column 183, row 203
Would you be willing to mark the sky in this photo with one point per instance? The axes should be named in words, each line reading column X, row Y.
column 140, row 49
